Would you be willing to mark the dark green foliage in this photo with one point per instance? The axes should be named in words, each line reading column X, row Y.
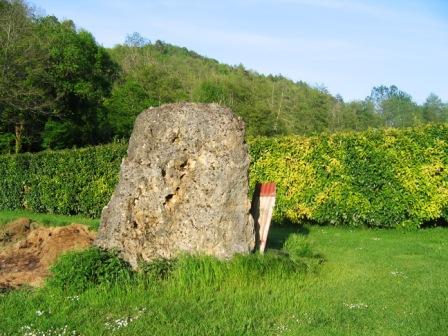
column 80, row 74
column 381, row 178
column 59, row 135
column 78, row 271
column 60, row 89
column 163, row 73
column 156, row 270
column 7, row 143
column 13, row 172
column 64, row 182
column 270, row 105
column 128, row 100
column 53, row 81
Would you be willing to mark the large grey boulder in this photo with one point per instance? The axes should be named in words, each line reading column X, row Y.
column 183, row 187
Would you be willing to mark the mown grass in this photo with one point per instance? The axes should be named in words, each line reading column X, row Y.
column 47, row 219
column 373, row 282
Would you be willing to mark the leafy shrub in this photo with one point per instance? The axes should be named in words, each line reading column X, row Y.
column 7, row 142
column 13, row 174
column 78, row 271
column 377, row 178
column 69, row 182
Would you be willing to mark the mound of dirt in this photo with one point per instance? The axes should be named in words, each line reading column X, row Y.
column 15, row 230
column 27, row 250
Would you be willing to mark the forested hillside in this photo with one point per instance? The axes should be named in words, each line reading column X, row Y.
column 153, row 74
column 60, row 89
column 53, row 81
column 157, row 73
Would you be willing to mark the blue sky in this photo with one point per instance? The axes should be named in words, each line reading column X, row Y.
column 347, row 46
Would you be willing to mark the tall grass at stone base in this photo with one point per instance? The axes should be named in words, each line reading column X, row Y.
column 76, row 272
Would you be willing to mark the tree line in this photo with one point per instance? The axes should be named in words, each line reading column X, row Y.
column 60, row 89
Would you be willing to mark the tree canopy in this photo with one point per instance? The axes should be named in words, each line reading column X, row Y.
column 54, row 80
column 59, row 88
column 158, row 73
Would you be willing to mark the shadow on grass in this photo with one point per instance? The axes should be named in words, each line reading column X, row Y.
column 438, row 222
column 280, row 231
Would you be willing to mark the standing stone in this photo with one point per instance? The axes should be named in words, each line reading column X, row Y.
column 183, row 187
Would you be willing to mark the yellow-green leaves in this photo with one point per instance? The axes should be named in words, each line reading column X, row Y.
column 383, row 178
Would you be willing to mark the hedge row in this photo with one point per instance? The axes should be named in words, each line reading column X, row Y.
column 68, row 182
column 382, row 178
column 379, row 178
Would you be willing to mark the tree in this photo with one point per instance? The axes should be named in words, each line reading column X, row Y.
column 136, row 40
column 23, row 93
column 360, row 115
column 50, row 73
column 127, row 101
column 396, row 107
column 80, row 77
column 434, row 110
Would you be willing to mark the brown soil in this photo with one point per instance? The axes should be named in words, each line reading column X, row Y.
column 28, row 250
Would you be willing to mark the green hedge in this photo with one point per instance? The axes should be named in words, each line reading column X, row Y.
column 381, row 178
column 69, row 182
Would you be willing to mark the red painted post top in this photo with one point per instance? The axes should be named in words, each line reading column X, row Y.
column 267, row 189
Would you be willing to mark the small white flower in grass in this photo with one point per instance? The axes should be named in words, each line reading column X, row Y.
column 119, row 323
column 124, row 321
column 356, row 305
column 376, row 238
column 29, row 331
column 73, row 298
column 305, row 318
column 281, row 328
column 398, row 274
column 39, row 312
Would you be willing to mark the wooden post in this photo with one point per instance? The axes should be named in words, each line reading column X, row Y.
column 263, row 203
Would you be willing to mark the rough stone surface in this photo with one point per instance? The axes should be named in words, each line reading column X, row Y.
column 183, row 187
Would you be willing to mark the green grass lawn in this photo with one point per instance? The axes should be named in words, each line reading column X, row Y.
column 47, row 219
column 373, row 282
